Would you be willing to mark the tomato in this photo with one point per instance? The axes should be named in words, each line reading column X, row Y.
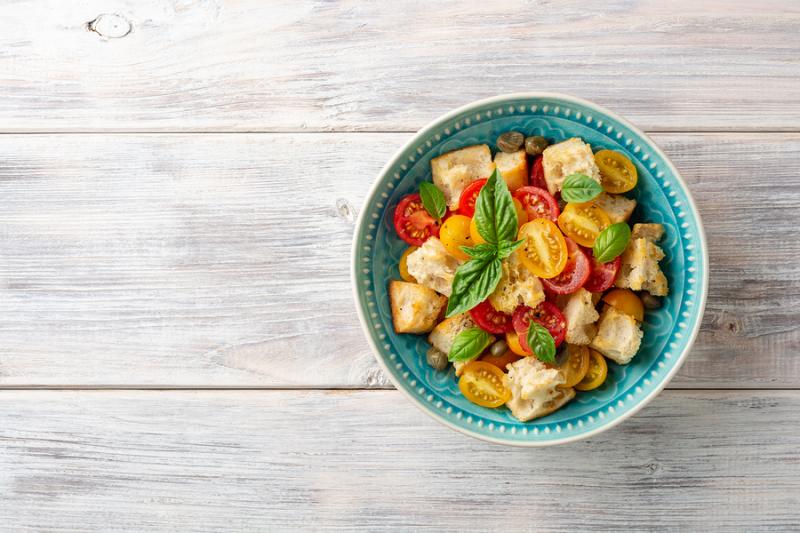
column 583, row 222
column 596, row 375
column 482, row 383
column 412, row 223
column 501, row 361
column 544, row 252
column 617, row 173
column 575, row 273
column 537, row 174
column 538, row 203
column 466, row 204
column 403, row 266
column 455, row 233
column 514, row 344
column 522, row 215
column 573, row 365
column 473, row 232
column 626, row 301
column 490, row 319
column 545, row 314
column 603, row 275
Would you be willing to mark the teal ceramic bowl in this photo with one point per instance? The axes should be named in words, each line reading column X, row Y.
column 662, row 197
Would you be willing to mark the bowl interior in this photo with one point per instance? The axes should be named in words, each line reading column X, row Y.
column 661, row 197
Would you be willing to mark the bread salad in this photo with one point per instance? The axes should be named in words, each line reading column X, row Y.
column 524, row 272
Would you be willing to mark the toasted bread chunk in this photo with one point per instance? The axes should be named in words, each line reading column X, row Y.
column 433, row 266
column 513, row 167
column 617, row 207
column 534, row 389
column 453, row 171
column 618, row 336
column 415, row 309
column 581, row 316
column 517, row 286
column 651, row 232
column 572, row 156
column 640, row 271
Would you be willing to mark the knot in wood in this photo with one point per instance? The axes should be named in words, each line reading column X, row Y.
column 110, row 26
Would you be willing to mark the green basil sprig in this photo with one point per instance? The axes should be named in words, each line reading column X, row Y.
column 496, row 220
column 469, row 344
column 611, row 242
column 541, row 343
column 580, row 188
column 432, row 200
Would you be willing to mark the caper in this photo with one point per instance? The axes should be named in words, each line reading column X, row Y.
column 650, row 301
column 535, row 145
column 510, row 141
column 498, row 348
column 436, row 358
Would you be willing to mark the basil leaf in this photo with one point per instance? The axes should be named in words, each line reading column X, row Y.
column 469, row 344
column 474, row 281
column 611, row 242
column 541, row 343
column 480, row 251
column 495, row 215
column 506, row 248
column 432, row 200
column 580, row 188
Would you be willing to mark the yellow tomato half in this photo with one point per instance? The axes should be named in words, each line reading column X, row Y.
column 454, row 234
column 513, row 344
column 574, row 365
column 626, row 301
column 482, row 383
column 544, row 252
column 617, row 173
column 522, row 215
column 473, row 232
column 403, row 266
column 583, row 222
column 596, row 375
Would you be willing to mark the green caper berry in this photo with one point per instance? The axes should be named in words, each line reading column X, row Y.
column 649, row 301
column 498, row 348
column 436, row 358
column 535, row 145
column 510, row 141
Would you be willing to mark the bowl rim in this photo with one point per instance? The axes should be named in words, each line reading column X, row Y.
column 439, row 121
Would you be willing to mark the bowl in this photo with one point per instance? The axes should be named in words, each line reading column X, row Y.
column 662, row 197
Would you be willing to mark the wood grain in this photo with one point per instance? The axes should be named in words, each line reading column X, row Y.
column 222, row 260
column 208, row 65
column 294, row 460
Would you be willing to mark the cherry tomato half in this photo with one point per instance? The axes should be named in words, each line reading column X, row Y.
column 545, row 314
column 482, row 383
column 537, row 174
column 514, row 344
column 603, row 275
column 573, row 365
column 454, row 234
column 466, row 204
column 575, row 272
column 583, row 222
column 626, row 301
column 538, row 203
column 544, row 251
column 617, row 173
column 412, row 223
column 490, row 319
column 596, row 375
column 403, row 266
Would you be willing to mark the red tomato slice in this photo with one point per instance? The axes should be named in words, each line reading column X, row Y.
column 412, row 223
column 537, row 174
column 545, row 314
column 603, row 275
column 466, row 204
column 575, row 273
column 490, row 319
column 538, row 203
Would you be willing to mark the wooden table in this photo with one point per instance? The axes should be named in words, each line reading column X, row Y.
column 178, row 343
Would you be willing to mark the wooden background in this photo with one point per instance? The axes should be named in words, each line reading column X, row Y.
column 178, row 342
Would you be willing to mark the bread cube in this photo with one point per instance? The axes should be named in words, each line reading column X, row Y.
column 415, row 309
column 433, row 266
column 651, row 232
column 534, row 389
column 617, row 207
column 618, row 336
column 513, row 167
column 581, row 316
column 639, row 270
column 572, row 156
column 453, row 171
column 517, row 286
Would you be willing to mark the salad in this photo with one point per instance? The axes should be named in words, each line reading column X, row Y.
column 524, row 271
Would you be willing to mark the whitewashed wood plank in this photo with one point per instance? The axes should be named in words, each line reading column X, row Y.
column 312, row 460
column 291, row 65
column 222, row 260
